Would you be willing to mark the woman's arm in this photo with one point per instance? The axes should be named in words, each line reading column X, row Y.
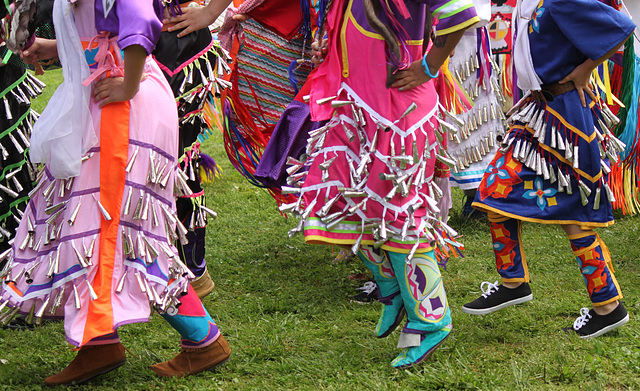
column 581, row 75
column 414, row 76
column 196, row 18
column 121, row 89
column 42, row 49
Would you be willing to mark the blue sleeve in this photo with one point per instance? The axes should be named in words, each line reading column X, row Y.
column 592, row 27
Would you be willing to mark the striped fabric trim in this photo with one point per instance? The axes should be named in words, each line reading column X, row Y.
column 264, row 61
column 454, row 15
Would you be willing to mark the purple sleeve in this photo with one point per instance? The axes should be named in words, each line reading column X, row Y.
column 139, row 23
column 453, row 15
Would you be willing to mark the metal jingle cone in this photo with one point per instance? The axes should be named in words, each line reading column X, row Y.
column 576, row 157
column 140, row 249
column 7, row 108
column 182, row 233
column 10, row 315
column 568, row 153
column 568, row 184
column 356, row 246
column 58, row 300
column 405, row 228
column 36, row 247
column 28, row 274
column 164, row 181
column 5, row 153
column 125, row 244
column 127, row 203
column 54, row 216
column 335, row 222
column 37, row 187
column 10, row 192
column 325, row 100
column 141, row 284
column 103, row 211
column 412, row 253
column 54, row 208
column 23, row 138
column 585, row 188
column 76, row 297
column 583, row 196
column 357, row 207
column 516, row 149
column 151, row 250
column 16, row 144
column 209, row 211
column 155, row 221
column 132, row 159
column 3, row 304
column 609, row 193
column 147, row 288
column 596, row 200
column 138, row 210
column 561, row 143
column 40, row 313
column 144, row 215
column 89, row 251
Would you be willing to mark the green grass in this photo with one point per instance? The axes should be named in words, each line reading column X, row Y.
column 284, row 307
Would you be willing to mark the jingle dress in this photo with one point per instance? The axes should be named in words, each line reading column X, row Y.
column 554, row 162
column 371, row 184
column 193, row 66
column 17, row 88
column 95, row 246
column 553, row 165
column 372, row 168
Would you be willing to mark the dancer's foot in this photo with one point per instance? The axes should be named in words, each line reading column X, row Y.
column 496, row 297
column 591, row 325
column 415, row 355
column 192, row 361
column 90, row 362
column 391, row 315
column 368, row 294
column 203, row 285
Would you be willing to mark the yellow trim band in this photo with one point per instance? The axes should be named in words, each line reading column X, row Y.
column 589, row 225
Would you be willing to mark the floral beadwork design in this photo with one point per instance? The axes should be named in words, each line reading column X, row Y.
column 534, row 24
column 543, row 197
column 500, row 177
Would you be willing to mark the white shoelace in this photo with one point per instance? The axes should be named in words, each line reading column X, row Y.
column 582, row 320
column 368, row 287
column 488, row 288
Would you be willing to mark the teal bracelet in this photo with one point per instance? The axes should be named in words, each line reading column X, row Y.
column 425, row 68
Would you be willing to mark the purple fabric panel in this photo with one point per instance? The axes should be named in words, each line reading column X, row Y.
column 289, row 138
column 152, row 269
column 414, row 26
column 136, row 22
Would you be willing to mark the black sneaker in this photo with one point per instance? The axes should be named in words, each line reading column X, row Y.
column 496, row 297
column 369, row 293
column 591, row 325
column 469, row 212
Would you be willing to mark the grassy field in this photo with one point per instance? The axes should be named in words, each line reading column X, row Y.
column 284, row 307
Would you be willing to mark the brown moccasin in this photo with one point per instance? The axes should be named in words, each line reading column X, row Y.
column 192, row 361
column 203, row 285
column 90, row 362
